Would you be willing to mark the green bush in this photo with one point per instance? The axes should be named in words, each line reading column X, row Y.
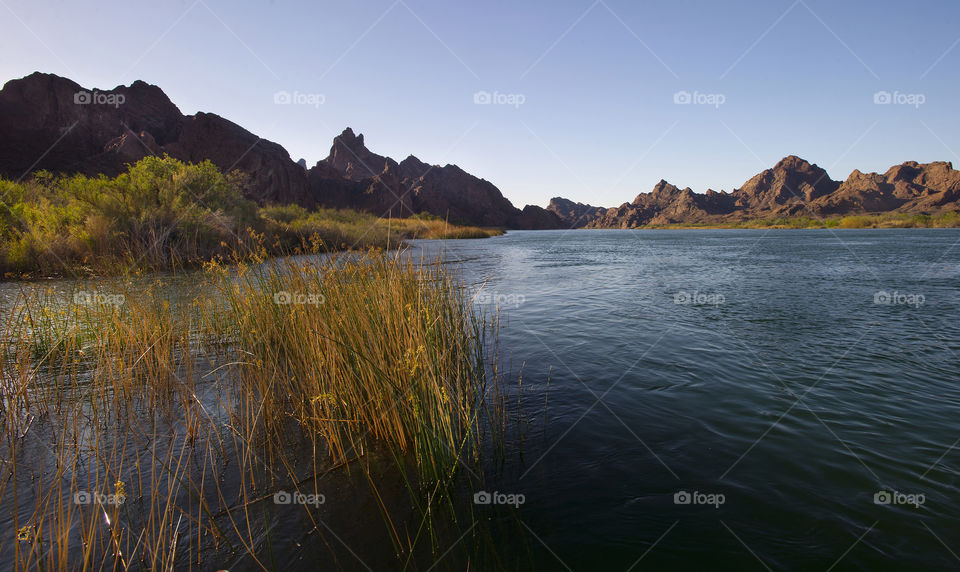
column 164, row 213
column 160, row 213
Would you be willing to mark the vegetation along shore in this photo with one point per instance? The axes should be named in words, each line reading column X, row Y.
column 163, row 214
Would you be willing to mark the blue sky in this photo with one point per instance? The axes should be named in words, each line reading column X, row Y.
column 586, row 89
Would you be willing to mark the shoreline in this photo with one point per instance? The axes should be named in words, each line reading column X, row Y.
column 884, row 220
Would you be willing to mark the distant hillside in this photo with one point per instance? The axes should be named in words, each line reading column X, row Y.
column 792, row 188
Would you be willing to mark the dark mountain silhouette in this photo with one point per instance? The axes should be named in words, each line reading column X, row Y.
column 52, row 123
column 355, row 177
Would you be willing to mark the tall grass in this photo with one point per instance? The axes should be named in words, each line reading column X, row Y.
column 356, row 347
column 165, row 214
column 950, row 219
column 898, row 220
column 197, row 404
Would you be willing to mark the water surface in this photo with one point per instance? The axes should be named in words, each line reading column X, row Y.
column 753, row 364
column 789, row 377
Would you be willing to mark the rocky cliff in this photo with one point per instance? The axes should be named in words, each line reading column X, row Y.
column 49, row 122
column 354, row 176
column 52, row 123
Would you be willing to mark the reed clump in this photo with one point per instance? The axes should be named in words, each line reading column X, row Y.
column 147, row 424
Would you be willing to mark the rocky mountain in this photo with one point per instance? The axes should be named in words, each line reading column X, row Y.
column 793, row 187
column 355, row 177
column 790, row 181
column 52, row 123
column 908, row 187
column 574, row 214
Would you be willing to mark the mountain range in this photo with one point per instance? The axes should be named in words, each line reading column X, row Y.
column 52, row 123
column 792, row 188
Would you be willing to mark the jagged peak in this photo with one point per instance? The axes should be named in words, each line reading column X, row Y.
column 795, row 163
column 412, row 160
column 43, row 76
column 37, row 76
column 139, row 84
column 349, row 138
column 791, row 160
column 665, row 186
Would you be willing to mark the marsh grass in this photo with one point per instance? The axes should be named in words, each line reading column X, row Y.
column 285, row 374
column 434, row 228
column 950, row 219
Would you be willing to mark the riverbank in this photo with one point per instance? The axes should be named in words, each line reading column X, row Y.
column 879, row 220
column 163, row 214
column 158, row 424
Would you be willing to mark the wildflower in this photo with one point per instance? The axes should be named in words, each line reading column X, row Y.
column 25, row 534
column 412, row 359
column 324, row 398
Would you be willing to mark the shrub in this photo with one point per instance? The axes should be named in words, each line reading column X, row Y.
column 164, row 213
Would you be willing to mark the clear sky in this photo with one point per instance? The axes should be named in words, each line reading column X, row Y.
column 582, row 91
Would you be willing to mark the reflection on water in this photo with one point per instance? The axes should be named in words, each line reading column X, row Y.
column 796, row 397
column 718, row 399
column 166, row 422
